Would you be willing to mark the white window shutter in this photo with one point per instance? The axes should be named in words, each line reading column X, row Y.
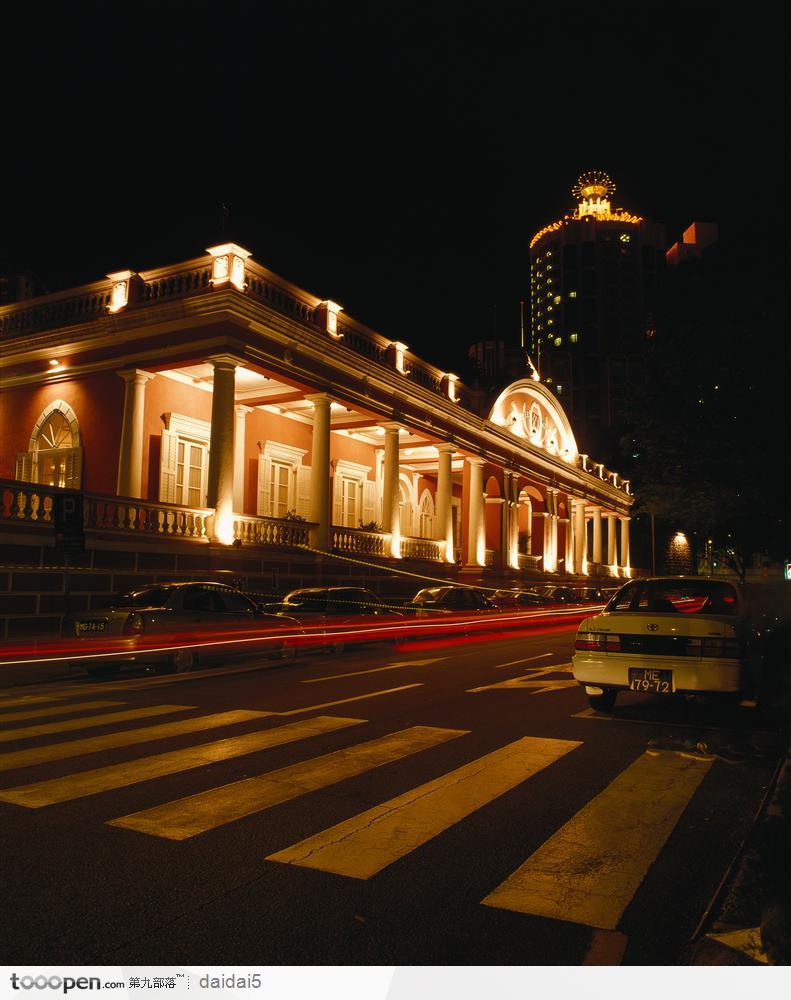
column 369, row 501
column 263, row 502
column 167, row 467
column 73, row 469
column 23, row 467
column 337, row 500
column 303, row 491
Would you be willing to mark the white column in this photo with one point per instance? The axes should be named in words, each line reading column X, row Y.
column 580, row 537
column 597, row 548
column 625, row 545
column 239, row 458
column 130, row 452
column 554, row 529
column 220, row 491
column 501, row 553
column 551, row 532
column 443, row 515
column 512, row 515
column 571, row 564
column 320, row 471
column 476, row 531
column 612, row 542
column 390, row 512
column 529, row 540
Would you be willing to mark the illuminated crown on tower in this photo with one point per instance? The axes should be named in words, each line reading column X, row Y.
column 593, row 191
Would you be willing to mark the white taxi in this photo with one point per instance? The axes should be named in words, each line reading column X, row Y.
column 663, row 635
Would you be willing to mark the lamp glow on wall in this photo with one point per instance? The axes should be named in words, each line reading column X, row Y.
column 119, row 295
column 228, row 265
column 223, row 523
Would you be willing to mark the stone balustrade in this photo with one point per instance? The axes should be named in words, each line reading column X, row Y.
column 420, row 548
column 26, row 502
column 355, row 541
column 270, row 531
column 143, row 517
column 33, row 504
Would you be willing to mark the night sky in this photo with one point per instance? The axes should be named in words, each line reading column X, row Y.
column 396, row 157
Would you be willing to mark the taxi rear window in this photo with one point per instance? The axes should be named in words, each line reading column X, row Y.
column 690, row 597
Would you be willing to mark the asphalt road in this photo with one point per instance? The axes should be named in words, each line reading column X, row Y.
column 454, row 804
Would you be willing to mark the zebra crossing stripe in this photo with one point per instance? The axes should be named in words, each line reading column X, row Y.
column 35, row 699
column 131, row 737
column 365, row 844
column 103, row 779
column 40, row 713
column 89, row 722
column 196, row 814
column 589, row 871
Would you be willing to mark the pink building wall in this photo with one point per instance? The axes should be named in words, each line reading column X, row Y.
column 98, row 402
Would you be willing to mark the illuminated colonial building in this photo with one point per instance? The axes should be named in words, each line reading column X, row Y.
column 211, row 402
column 593, row 277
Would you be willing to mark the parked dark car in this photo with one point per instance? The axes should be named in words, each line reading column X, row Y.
column 594, row 595
column 333, row 607
column 558, row 594
column 177, row 610
column 517, row 600
column 452, row 599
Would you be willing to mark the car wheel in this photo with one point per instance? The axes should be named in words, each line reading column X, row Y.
column 183, row 661
column 602, row 702
column 104, row 669
column 180, row 662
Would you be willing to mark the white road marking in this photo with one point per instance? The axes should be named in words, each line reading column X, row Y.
column 527, row 659
column 531, row 680
column 344, row 701
column 375, row 670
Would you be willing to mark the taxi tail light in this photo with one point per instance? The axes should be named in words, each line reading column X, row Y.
column 598, row 641
column 133, row 625
column 727, row 649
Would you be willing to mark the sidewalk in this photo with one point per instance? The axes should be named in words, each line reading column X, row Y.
column 750, row 920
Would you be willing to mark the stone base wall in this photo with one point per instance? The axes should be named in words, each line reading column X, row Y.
column 40, row 584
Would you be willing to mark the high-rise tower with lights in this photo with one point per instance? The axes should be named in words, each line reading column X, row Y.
column 594, row 276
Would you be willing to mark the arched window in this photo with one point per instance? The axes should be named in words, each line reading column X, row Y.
column 404, row 510
column 54, row 457
column 426, row 511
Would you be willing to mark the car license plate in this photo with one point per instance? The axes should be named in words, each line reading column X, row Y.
column 81, row 628
column 646, row 679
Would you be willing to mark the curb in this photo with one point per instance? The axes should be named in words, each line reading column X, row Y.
column 748, row 921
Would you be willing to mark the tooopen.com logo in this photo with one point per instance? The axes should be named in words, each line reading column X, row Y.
column 63, row 983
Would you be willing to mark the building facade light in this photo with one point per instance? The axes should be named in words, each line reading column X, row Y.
column 228, row 265
column 448, row 386
column 119, row 294
column 327, row 318
column 397, row 357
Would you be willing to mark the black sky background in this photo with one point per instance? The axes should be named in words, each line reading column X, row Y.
column 396, row 157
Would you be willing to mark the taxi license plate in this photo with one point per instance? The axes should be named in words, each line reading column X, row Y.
column 82, row 628
column 656, row 681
